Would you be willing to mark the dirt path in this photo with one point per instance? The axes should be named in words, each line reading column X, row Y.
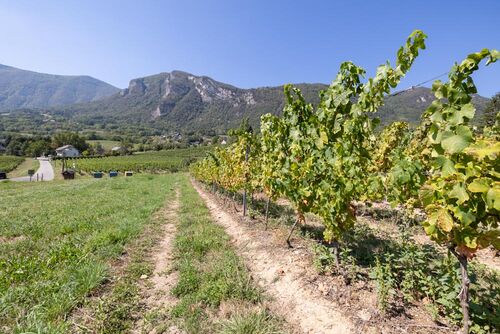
column 280, row 273
column 156, row 290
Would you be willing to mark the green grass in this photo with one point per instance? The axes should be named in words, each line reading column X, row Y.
column 211, row 275
column 149, row 162
column 22, row 169
column 106, row 144
column 9, row 163
column 250, row 323
column 58, row 240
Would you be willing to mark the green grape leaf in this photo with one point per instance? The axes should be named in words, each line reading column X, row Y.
column 491, row 237
column 493, row 197
column 459, row 193
column 467, row 111
column 447, row 166
column 426, row 195
column 466, row 218
column 456, row 143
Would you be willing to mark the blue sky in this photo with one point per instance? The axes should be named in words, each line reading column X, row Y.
column 247, row 44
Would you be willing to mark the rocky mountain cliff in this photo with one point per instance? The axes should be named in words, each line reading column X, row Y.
column 184, row 102
column 27, row 89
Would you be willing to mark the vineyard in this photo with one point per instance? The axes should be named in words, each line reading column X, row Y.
column 148, row 162
column 327, row 159
column 9, row 163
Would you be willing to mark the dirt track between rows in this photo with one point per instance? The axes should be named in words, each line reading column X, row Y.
column 281, row 274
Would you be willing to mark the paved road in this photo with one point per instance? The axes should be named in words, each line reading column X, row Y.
column 45, row 169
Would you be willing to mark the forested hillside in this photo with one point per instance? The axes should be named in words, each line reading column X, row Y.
column 27, row 89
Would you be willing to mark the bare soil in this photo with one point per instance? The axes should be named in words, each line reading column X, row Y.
column 310, row 302
column 281, row 274
column 156, row 290
column 11, row 240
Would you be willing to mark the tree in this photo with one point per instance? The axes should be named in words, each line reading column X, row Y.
column 490, row 115
column 98, row 149
column 38, row 148
column 69, row 138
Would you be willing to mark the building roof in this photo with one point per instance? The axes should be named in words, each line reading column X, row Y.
column 65, row 147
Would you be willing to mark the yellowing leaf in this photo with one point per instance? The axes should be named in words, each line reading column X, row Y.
column 480, row 185
column 484, row 148
column 493, row 197
column 442, row 219
column 323, row 136
column 319, row 143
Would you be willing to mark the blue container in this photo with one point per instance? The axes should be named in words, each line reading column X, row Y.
column 113, row 173
column 97, row 175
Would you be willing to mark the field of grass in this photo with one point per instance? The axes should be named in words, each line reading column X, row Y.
column 58, row 240
column 106, row 144
column 76, row 257
column 22, row 169
column 9, row 163
column 148, row 162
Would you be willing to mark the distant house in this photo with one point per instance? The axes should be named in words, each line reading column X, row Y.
column 119, row 150
column 67, row 151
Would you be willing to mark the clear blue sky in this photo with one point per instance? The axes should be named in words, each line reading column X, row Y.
column 247, row 44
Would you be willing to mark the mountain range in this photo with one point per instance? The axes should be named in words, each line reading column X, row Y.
column 183, row 102
column 27, row 89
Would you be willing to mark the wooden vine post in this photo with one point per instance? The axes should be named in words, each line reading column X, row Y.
column 247, row 152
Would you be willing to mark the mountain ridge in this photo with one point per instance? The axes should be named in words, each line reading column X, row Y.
column 29, row 89
column 179, row 101
column 183, row 101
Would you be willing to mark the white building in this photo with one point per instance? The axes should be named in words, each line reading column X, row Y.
column 67, row 151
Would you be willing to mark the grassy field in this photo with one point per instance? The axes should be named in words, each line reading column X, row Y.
column 22, row 169
column 58, row 240
column 75, row 258
column 149, row 162
column 106, row 144
column 9, row 163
